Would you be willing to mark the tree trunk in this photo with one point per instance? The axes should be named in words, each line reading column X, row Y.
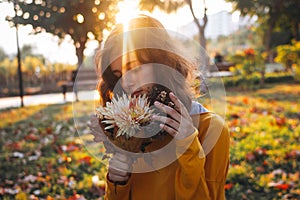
column 296, row 31
column 267, row 43
column 79, row 52
column 201, row 31
column 80, row 56
column 202, row 38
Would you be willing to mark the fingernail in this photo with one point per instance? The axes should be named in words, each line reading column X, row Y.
column 172, row 94
column 156, row 103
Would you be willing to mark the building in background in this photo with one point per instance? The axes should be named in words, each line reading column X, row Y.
column 222, row 23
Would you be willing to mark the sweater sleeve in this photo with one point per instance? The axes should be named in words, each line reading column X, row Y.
column 200, row 175
column 117, row 192
column 217, row 159
column 190, row 182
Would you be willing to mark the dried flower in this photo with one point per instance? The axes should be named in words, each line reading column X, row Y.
column 129, row 114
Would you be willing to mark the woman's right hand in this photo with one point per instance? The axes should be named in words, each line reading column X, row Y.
column 119, row 168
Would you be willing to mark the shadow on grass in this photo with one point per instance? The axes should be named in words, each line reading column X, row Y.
column 278, row 92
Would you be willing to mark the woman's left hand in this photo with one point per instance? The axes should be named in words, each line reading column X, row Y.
column 96, row 129
column 179, row 123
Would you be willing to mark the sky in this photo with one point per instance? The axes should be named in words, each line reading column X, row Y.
column 48, row 46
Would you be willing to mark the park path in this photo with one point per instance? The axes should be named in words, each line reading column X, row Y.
column 86, row 93
column 54, row 98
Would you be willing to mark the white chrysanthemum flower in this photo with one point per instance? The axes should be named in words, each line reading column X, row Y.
column 127, row 113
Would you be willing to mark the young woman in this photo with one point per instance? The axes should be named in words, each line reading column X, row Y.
column 136, row 59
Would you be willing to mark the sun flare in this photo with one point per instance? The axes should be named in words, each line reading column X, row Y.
column 127, row 11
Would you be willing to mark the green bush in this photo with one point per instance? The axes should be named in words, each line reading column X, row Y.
column 252, row 81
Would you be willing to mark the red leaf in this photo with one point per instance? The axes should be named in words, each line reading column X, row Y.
column 72, row 147
column 249, row 52
column 283, row 186
column 254, row 109
column 260, row 169
column 292, row 154
column 280, row 121
column 86, row 160
column 49, row 130
column 265, row 163
column 250, row 157
column 261, row 151
column 31, row 137
column 14, row 146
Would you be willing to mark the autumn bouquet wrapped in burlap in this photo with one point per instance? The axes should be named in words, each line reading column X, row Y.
column 127, row 121
column 124, row 118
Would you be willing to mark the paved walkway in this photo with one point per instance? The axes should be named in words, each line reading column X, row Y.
column 55, row 98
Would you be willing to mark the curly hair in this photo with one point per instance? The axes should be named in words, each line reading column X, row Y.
column 152, row 44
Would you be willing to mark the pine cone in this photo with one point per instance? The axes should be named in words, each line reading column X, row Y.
column 161, row 94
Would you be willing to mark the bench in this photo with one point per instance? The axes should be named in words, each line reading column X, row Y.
column 221, row 66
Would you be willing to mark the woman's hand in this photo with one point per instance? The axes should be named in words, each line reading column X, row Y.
column 119, row 168
column 179, row 124
column 96, row 129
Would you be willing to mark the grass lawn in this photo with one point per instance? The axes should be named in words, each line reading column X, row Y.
column 42, row 157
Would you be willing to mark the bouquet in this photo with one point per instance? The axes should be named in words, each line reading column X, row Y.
column 127, row 120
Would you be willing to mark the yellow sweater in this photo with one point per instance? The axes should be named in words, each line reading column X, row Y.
column 192, row 176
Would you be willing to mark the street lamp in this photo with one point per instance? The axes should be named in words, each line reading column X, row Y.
column 18, row 55
column 19, row 68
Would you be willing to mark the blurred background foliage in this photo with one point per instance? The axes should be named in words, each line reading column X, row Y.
column 273, row 37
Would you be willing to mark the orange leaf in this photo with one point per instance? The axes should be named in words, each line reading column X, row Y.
column 228, row 186
column 245, row 100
